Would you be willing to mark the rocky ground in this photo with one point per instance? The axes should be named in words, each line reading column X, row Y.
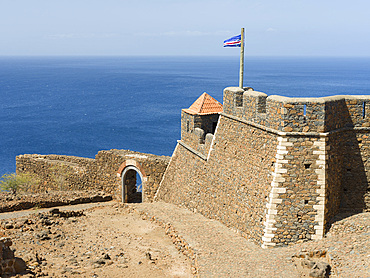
column 159, row 240
column 347, row 244
column 106, row 241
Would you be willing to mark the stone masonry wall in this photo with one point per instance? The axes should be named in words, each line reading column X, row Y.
column 348, row 176
column 295, row 198
column 233, row 185
column 343, row 120
column 355, row 170
column 109, row 162
column 334, row 173
column 59, row 172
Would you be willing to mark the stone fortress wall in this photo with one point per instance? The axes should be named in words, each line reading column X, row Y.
column 276, row 168
column 60, row 172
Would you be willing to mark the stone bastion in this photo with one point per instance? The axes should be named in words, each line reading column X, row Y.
column 274, row 168
column 277, row 169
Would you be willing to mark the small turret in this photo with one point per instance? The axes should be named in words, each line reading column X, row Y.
column 199, row 120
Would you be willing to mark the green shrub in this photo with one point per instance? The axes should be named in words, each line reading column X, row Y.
column 14, row 183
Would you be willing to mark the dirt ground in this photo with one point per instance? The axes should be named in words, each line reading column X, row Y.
column 111, row 239
column 106, row 241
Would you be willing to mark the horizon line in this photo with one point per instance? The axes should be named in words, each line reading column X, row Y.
column 184, row 55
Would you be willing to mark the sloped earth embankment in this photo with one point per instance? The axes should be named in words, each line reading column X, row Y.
column 23, row 201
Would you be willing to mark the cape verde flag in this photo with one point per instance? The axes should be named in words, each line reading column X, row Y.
column 235, row 41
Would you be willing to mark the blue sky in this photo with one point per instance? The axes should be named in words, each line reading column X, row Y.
column 189, row 27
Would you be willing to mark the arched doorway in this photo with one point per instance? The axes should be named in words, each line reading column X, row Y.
column 132, row 186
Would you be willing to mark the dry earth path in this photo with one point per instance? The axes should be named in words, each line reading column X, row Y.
column 223, row 253
column 220, row 251
column 141, row 249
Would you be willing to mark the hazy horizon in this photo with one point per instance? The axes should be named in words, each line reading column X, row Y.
column 179, row 55
column 184, row 28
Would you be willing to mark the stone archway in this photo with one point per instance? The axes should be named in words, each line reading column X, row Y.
column 132, row 185
column 129, row 172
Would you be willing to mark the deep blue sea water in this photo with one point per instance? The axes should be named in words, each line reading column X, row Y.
column 80, row 105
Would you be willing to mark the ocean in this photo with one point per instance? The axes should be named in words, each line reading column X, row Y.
column 80, row 105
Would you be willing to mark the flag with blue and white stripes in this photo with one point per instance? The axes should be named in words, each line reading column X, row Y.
column 235, row 41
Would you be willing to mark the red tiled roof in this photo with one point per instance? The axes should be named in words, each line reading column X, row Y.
column 205, row 104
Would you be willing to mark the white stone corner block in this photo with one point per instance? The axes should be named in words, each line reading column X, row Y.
column 282, row 139
column 272, row 211
column 281, row 170
column 278, row 190
column 318, row 207
column 316, row 237
column 281, row 152
column 266, row 235
column 286, row 144
column 276, row 201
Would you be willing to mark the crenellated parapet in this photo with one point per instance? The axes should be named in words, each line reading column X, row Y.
column 287, row 114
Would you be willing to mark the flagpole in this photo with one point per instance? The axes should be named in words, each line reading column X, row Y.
column 241, row 60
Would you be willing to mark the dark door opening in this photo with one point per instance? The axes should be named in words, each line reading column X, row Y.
column 132, row 187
